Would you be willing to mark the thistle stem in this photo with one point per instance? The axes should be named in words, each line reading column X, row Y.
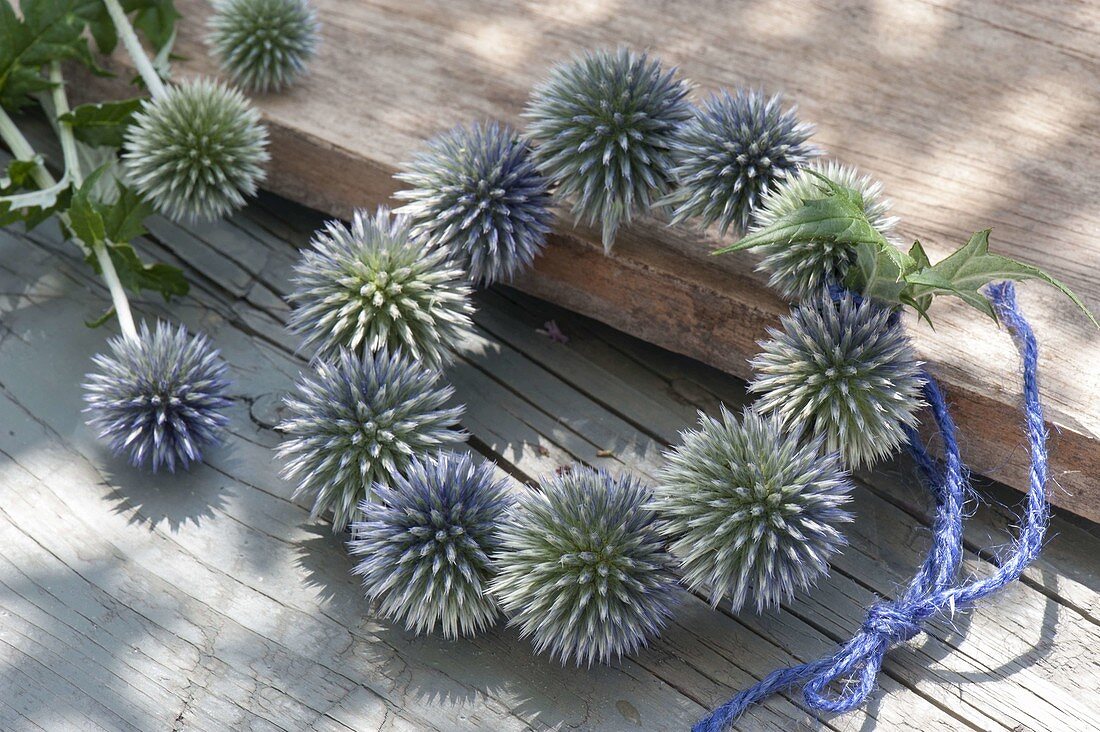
column 76, row 175
column 133, row 47
column 22, row 149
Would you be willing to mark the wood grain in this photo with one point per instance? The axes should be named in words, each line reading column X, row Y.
column 972, row 114
column 210, row 600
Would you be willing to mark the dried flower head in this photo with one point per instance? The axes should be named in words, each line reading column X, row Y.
column 371, row 287
column 477, row 195
column 844, row 371
column 733, row 151
column 750, row 511
column 159, row 398
column 425, row 544
column 197, row 151
column 602, row 124
column 801, row 269
column 356, row 422
column 583, row 570
column 263, row 44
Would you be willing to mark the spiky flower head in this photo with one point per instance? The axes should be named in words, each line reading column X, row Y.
column 801, row 269
column 426, row 541
column 602, row 124
column 583, row 569
column 263, row 44
column 158, row 398
column 477, row 194
column 734, row 150
column 372, row 287
column 750, row 510
column 357, row 422
column 844, row 371
column 197, row 151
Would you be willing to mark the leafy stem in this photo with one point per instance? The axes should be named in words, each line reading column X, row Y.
column 134, row 48
column 22, row 150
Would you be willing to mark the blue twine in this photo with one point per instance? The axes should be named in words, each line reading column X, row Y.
column 855, row 665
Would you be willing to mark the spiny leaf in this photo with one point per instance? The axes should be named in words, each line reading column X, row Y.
column 50, row 30
column 972, row 267
column 155, row 18
column 836, row 218
column 102, row 124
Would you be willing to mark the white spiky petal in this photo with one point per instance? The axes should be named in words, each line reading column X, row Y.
column 370, row 287
column 425, row 541
column 751, row 512
column 602, row 126
column 197, row 151
column 263, row 44
column 583, row 570
column 356, row 422
column 844, row 371
column 801, row 269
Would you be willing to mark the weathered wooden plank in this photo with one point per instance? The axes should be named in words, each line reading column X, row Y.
column 973, row 117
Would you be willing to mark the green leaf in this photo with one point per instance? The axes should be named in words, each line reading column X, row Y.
column 85, row 218
column 136, row 275
column 95, row 323
column 50, row 30
column 972, row 267
column 125, row 218
column 155, row 18
column 102, row 124
column 836, row 218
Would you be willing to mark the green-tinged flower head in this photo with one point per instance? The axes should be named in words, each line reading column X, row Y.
column 844, row 371
column 801, row 269
column 583, row 570
column 263, row 45
column 477, row 194
column 357, row 422
column 197, row 151
column 160, row 398
column 749, row 510
column 425, row 543
column 602, row 126
column 369, row 286
column 731, row 154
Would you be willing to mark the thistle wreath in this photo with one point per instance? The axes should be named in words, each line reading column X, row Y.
column 748, row 509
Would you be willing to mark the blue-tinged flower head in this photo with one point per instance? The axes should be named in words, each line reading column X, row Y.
column 843, row 371
column 477, row 195
column 426, row 541
column 802, row 269
column 160, row 398
column 602, row 125
column 749, row 510
column 197, row 151
column 583, row 569
column 370, row 287
column 356, row 422
column 263, row 45
column 734, row 150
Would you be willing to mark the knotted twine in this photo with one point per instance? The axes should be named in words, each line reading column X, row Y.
column 854, row 666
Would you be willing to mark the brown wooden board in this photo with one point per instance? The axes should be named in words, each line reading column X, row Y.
column 973, row 115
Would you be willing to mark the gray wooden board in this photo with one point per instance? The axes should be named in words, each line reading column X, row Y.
column 210, row 600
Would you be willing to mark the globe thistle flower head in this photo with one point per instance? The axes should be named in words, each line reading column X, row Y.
column 750, row 511
column 802, row 269
column 197, row 151
column 159, row 398
column 425, row 543
column 477, row 195
column 369, row 286
column 734, row 150
column 582, row 568
column 602, row 124
column 357, row 422
column 843, row 371
column 263, row 45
